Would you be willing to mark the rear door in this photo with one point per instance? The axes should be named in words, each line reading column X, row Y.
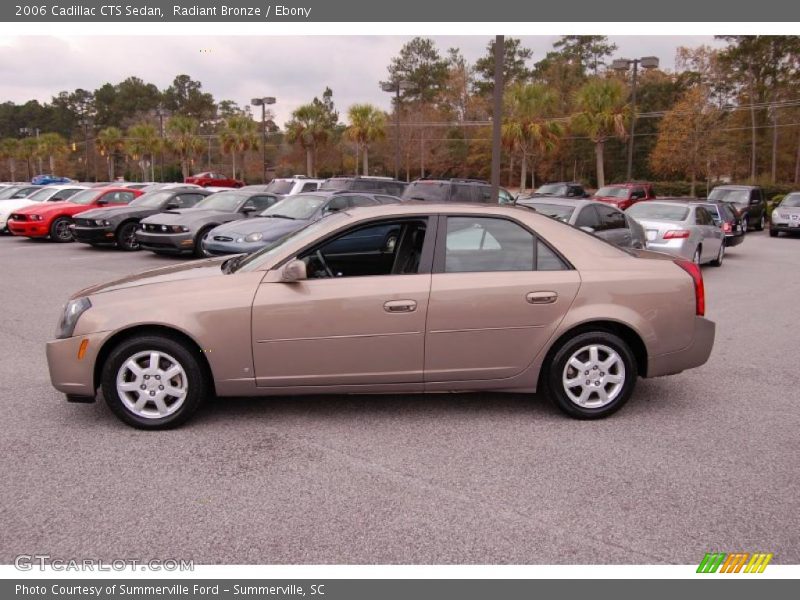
column 613, row 226
column 497, row 295
column 711, row 233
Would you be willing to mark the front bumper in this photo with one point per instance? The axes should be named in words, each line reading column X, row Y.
column 32, row 229
column 72, row 375
column 786, row 226
column 217, row 248
column 168, row 243
column 93, row 235
column 694, row 355
column 680, row 247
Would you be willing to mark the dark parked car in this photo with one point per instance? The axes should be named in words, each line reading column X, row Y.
column 747, row 200
column 604, row 221
column 454, row 190
column 182, row 231
column 728, row 219
column 288, row 215
column 377, row 185
column 562, row 189
column 118, row 226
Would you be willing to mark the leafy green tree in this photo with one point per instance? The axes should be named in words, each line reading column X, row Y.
column 310, row 127
column 603, row 113
column 183, row 139
column 367, row 124
column 51, row 146
column 9, row 150
column 186, row 97
column 240, row 135
column 142, row 143
column 420, row 64
column 588, row 51
column 110, row 142
column 27, row 150
column 515, row 65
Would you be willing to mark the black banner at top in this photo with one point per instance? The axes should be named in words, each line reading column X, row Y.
column 448, row 11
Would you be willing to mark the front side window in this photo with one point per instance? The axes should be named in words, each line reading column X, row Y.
column 119, row 197
column 258, row 203
column 223, row 201
column 480, row 244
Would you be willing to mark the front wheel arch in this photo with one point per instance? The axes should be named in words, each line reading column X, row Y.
column 170, row 332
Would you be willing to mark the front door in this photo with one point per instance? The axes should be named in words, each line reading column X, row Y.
column 358, row 319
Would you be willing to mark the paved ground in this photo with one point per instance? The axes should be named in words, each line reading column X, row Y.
column 706, row 460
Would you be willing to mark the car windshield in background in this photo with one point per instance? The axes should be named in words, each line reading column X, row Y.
column 42, row 195
column 612, row 192
column 9, row 192
column 552, row 189
column 658, row 212
column 151, row 199
column 85, row 197
column 279, row 187
column 556, row 211
column 335, row 184
column 430, row 191
column 295, row 207
column 734, row 196
column 791, row 201
column 224, row 201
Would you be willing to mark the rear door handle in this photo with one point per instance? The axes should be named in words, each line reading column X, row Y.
column 541, row 297
column 400, row 306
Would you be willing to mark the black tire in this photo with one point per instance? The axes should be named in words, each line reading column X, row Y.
column 126, row 236
column 556, row 367
column 745, row 224
column 198, row 242
column 773, row 233
column 197, row 381
column 761, row 223
column 60, row 231
column 697, row 257
column 717, row 262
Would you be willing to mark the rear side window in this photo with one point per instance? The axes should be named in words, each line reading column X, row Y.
column 394, row 188
column 309, row 187
column 118, row 197
column 547, row 260
column 588, row 217
column 480, row 244
column 610, row 218
column 187, row 200
column 362, row 201
column 64, row 194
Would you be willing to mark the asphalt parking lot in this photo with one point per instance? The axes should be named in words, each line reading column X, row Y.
column 705, row 460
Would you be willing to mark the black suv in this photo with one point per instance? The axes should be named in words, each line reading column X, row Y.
column 454, row 190
column 378, row 185
column 748, row 202
column 562, row 189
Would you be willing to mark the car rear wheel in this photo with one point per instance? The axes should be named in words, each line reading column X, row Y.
column 697, row 254
column 745, row 224
column 591, row 375
column 761, row 222
column 126, row 237
column 153, row 382
column 717, row 262
column 60, row 230
column 199, row 250
column 773, row 233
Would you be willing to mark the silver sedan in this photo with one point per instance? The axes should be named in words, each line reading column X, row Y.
column 682, row 228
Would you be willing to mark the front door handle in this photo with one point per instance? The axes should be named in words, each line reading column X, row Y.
column 400, row 306
column 541, row 297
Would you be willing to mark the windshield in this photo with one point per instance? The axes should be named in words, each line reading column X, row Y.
column 278, row 186
column 252, row 262
column 658, row 212
column 552, row 189
column 152, row 199
column 224, row 201
column 791, row 201
column 430, row 191
column 557, row 211
column 42, row 195
column 295, row 207
column 610, row 191
column 730, row 195
column 12, row 192
column 86, row 196
column 335, row 184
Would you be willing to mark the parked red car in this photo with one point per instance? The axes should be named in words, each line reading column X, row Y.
column 625, row 195
column 213, row 179
column 54, row 219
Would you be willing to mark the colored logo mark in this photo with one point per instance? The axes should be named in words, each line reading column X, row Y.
column 737, row 562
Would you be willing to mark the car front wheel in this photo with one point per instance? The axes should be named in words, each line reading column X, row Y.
column 199, row 250
column 126, row 237
column 153, row 382
column 60, row 230
column 591, row 375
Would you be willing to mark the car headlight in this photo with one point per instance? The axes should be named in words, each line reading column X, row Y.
column 36, row 217
column 101, row 223
column 254, row 237
column 72, row 312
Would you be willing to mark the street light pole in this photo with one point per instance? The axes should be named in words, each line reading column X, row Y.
column 497, row 114
column 263, row 102
column 160, row 113
column 396, row 87
column 623, row 64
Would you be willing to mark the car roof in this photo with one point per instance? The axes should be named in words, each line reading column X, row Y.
column 687, row 202
column 732, row 186
column 559, row 201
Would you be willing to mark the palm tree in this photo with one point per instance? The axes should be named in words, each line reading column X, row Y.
column 52, row 145
column 529, row 127
column 183, row 139
column 239, row 136
column 9, row 148
column 367, row 124
column 602, row 115
column 144, row 141
column 310, row 127
column 27, row 149
column 109, row 142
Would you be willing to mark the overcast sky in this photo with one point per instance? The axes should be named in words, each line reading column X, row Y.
column 293, row 68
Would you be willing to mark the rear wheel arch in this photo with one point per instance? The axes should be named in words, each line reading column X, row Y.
column 153, row 329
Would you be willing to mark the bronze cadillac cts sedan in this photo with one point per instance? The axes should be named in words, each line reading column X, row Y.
column 396, row 298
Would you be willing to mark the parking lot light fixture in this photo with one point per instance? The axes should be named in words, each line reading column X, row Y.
column 622, row 65
column 263, row 103
column 396, row 87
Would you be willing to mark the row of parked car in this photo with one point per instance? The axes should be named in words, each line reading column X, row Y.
column 199, row 219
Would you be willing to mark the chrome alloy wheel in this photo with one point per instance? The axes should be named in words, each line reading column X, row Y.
column 594, row 376
column 152, row 384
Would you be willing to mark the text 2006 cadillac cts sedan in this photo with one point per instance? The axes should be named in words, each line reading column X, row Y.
column 467, row 298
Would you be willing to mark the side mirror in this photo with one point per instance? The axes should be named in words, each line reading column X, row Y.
column 102, row 202
column 248, row 209
column 294, row 271
column 588, row 229
column 171, row 206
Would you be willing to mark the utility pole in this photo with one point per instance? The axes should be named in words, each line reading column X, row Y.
column 263, row 102
column 623, row 64
column 497, row 114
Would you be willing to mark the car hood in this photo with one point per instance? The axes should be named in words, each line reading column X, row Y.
column 190, row 216
column 789, row 210
column 46, row 208
column 9, row 206
column 270, row 227
column 180, row 272
column 124, row 212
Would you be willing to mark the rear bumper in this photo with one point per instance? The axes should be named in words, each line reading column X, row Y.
column 168, row 243
column 680, row 247
column 93, row 235
column 734, row 239
column 29, row 228
column 694, row 355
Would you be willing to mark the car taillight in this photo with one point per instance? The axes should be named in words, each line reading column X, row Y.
column 726, row 227
column 693, row 269
column 676, row 234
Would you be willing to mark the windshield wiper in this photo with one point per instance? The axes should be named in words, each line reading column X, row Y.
column 282, row 217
